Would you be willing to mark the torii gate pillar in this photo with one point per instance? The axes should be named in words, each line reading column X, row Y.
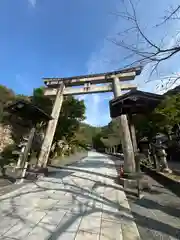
column 51, row 128
column 129, row 159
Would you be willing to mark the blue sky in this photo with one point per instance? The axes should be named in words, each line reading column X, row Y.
column 53, row 38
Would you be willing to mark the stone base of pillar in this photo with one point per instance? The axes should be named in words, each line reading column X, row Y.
column 134, row 184
column 34, row 174
column 39, row 171
column 132, row 175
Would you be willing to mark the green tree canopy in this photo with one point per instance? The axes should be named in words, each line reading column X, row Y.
column 97, row 141
column 6, row 96
column 168, row 113
column 43, row 102
column 72, row 113
column 162, row 119
column 108, row 136
column 86, row 133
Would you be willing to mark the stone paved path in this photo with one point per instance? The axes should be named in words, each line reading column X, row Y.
column 80, row 201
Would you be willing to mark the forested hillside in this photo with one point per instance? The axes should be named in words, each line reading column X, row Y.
column 73, row 132
column 71, row 129
column 68, row 128
column 107, row 136
column 86, row 133
column 164, row 119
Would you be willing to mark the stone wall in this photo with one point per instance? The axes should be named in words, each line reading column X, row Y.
column 5, row 137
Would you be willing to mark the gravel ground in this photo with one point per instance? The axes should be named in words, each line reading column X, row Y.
column 157, row 213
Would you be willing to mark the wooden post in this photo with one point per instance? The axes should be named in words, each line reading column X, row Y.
column 129, row 161
column 114, row 149
column 28, row 145
column 23, row 172
column 26, row 153
column 51, row 128
column 20, row 159
column 133, row 133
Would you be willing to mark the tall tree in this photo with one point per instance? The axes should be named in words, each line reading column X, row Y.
column 108, row 136
column 98, row 142
column 43, row 102
column 6, row 96
column 168, row 113
column 162, row 119
column 72, row 113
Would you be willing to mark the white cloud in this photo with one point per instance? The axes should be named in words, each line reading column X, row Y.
column 24, row 84
column 96, row 99
column 21, row 81
column 32, row 3
column 92, row 108
column 97, row 109
column 81, row 97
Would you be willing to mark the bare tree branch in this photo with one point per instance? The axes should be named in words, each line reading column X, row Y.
column 145, row 50
column 172, row 15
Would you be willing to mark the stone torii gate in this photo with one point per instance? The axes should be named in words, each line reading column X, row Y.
column 110, row 82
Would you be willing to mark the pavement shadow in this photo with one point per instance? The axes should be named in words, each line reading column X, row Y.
column 154, row 205
column 85, row 207
column 144, row 221
column 85, row 171
column 141, row 220
column 160, row 205
column 159, row 228
column 59, row 174
column 95, row 164
column 97, row 157
column 7, row 177
column 77, row 191
column 117, row 160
